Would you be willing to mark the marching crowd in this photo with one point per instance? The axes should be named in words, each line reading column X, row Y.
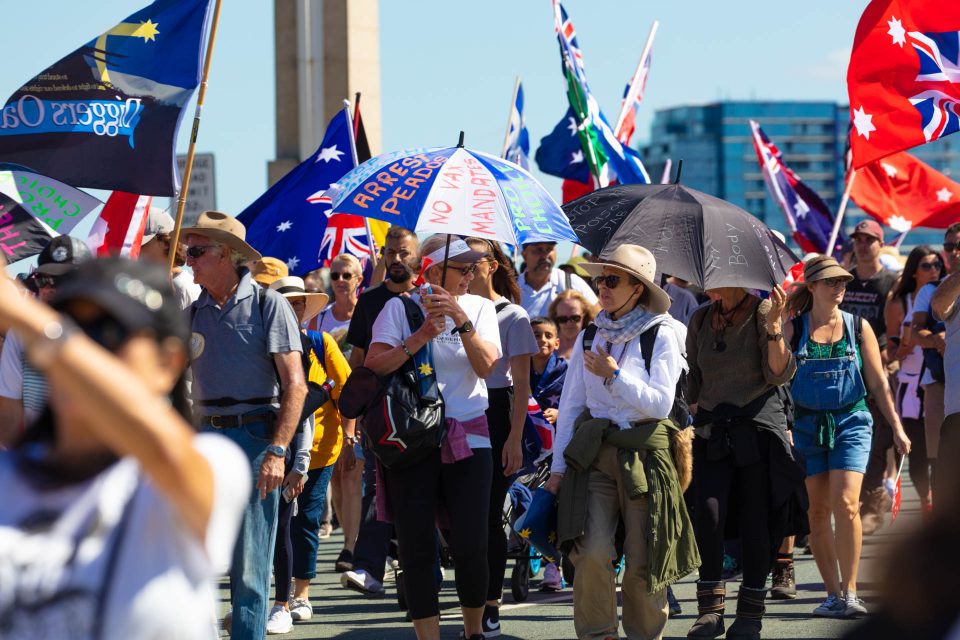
column 162, row 431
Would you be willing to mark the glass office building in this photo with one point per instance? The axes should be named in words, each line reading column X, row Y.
column 715, row 144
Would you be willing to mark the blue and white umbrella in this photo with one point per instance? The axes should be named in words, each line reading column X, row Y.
column 456, row 191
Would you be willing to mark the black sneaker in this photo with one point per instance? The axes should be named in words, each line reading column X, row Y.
column 344, row 561
column 491, row 621
column 784, row 583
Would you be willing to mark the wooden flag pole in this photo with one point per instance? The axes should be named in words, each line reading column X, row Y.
column 843, row 209
column 356, row 162
column 506, row 135
column 182, row 199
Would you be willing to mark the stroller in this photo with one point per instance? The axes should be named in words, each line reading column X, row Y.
column 527, row 560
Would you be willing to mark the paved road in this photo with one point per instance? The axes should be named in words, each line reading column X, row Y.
column 344, row 614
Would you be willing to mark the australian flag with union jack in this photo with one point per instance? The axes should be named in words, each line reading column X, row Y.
column 904, row 76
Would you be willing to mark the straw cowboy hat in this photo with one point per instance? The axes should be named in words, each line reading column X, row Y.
column 640, row 263
column 292, row 287
column 224, row 229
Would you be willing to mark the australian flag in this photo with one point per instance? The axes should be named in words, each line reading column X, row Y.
column 106, row 116
column 808, row 217
column 517, row 149
column 290, row 220
column 560, row 152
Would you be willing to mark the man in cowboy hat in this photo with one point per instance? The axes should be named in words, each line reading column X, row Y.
column 248, row 383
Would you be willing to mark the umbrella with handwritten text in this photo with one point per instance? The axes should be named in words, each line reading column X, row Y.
column 456, row 191
column 693, row 236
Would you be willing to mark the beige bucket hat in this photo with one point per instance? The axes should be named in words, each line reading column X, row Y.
column 225, row 229
column 640, row 263
column 293, row 287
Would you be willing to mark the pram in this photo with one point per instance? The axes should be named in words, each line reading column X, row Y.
column 527, row 560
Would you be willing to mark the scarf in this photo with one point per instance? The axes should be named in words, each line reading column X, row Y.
column 546, row 387
column 626, row 328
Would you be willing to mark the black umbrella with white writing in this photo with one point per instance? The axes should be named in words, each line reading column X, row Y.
column 694, row 236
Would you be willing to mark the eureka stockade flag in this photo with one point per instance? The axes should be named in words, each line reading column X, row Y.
column 106, row 116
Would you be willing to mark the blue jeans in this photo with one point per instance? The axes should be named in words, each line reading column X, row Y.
column 253, row 554
column 305, row 526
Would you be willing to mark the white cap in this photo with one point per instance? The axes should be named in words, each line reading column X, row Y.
column 459, row 251
column 158, row 221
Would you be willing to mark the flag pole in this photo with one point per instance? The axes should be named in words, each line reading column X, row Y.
column 188, row 169
column 630, row 98
column 900, row 239
column 584, row 136
column 506, row 135
column 842, row 210
column 353, row 152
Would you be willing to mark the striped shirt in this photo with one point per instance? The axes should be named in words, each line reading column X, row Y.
column 20, row 380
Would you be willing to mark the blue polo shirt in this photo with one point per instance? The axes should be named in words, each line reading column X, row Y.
column 232, row 348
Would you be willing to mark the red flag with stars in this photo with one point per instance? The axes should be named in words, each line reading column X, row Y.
column 902, row 192
column 904, row 76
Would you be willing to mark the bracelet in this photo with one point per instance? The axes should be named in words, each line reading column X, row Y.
column 53, row 336
column 403, row 345
column 351, row 439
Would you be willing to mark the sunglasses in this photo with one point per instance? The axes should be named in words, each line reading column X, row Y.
column 106, row 332
column 610, row 282
column 464, row 271
column 928, row 266
column 197, row 251
column 45, row 281
column 565, row 319
column 834, row 282
column 951, row 246
column 336, row 275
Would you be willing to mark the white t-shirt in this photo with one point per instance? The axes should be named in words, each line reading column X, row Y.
column 922, row 304
column 537, row 302
column 328, row 323
column 464, row 393
column 56, row 545
column 186, row 289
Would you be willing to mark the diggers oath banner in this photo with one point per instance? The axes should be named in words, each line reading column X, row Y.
column 106, row 116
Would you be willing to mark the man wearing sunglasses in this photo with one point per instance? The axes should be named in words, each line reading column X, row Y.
column 23, row 390
column 943, row 304
column 866, row 297
column 248, row 384
column 540, row 281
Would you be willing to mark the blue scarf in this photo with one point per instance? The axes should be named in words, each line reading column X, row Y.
column 625, row 328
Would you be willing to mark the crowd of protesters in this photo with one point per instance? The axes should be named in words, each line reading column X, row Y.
column 223, row 451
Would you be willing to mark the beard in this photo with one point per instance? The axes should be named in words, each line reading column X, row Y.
column 399, row 274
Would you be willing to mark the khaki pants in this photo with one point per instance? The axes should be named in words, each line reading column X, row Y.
column 932, row 417
column 593, row 555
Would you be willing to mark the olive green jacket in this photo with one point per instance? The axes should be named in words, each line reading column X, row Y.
column 647, row 469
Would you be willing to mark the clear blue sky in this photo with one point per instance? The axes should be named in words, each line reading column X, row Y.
column 447, row 66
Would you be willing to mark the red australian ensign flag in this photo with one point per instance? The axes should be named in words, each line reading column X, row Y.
column 902, row 192
column 904, row 76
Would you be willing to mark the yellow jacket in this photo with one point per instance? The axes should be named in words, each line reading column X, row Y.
column 327, row 434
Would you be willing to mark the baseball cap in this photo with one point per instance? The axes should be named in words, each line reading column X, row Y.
column 158, row 221
column 459, row 251
column 268, row 270
column 62, row 255
column 869, row 228
column 138, row 295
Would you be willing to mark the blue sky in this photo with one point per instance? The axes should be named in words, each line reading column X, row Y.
column 447, row 66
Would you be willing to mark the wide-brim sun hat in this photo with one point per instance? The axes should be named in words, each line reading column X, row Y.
column 293, row 287
column 640, row 263
column 814, row 270
column 224, row 229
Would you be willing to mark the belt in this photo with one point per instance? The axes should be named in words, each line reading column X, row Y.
column 231, row 422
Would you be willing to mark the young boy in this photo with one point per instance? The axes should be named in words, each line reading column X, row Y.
column 547, row 369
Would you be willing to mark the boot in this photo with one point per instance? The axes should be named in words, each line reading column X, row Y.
column 710, row 597
column 750, row 609
column 871, row 510
column 784, row 582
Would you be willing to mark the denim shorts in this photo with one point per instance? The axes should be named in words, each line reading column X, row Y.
column 851, row 449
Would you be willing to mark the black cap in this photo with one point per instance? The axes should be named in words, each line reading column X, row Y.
column 138, row 295
column 62, row 255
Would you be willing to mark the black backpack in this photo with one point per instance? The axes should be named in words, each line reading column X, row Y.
column 402, row 426
column 680, row 412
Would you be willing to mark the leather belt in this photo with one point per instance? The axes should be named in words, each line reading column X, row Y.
column 232, row 422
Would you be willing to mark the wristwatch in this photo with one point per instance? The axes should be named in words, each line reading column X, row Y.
column 466, row 327
column 276, row 450
column 773, row 337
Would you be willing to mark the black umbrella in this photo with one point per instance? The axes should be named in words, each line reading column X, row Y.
column 693, row 236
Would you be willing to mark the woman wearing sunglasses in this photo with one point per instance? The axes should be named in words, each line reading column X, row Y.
column 612, row 460
column 744, row 471
column 116, row 515
column 838, row 362
column 571, row 311
column 923, row 267
column 466, row 345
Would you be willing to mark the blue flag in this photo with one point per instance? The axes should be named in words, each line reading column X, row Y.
column 106, row 116
column 288, row 221
column 518, row 140
column 560, row 152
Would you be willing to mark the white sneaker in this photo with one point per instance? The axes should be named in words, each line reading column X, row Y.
column 301, row 609
column 551, row 578
column 360, row 580
column 279, row 621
